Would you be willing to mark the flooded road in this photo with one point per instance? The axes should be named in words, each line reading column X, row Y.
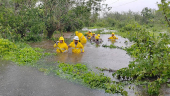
column 104, row 30
column 94, row 56
column 27, row 81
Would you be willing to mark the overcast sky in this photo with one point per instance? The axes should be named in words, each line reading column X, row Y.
column 133, row 5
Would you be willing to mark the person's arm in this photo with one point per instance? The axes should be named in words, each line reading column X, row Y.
column 109, row 37
column 115, row 37
column 70, row 45
column 55, row 45
column 66, row 47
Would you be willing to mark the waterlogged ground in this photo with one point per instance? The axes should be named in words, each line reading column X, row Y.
column 27, row 81
column 104, row 30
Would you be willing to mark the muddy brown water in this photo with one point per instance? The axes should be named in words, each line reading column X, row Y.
column 27, row 81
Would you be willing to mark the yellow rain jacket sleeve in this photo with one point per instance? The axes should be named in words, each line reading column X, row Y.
column 77, row 49
column 89, row 35
column 82, row 39
column 61, row 47
column 113, row 37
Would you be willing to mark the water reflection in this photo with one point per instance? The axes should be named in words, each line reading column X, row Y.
column 75, row 58
column 62, row 57
column 112, row 41
column 66, row 58
column 27, row 81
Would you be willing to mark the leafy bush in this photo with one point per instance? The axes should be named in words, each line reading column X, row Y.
column 20, row 53
column 6, row 46
column 121, row 24
column 27, row 55
column 131, row 27
column 25, row 23
column 101, row 24
column 151, row 59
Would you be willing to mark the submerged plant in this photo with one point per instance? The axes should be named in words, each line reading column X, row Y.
column 112, row 46
column 82, row 74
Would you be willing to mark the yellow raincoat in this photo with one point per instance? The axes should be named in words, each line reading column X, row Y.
column 78, row 48
column 89, row 34
column 113, row 37
column 82, row 39
column 61, row 47
column 97, row 37
column 89, row 37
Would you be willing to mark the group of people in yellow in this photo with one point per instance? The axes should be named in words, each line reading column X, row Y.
column 91, row 36
column 77, row 46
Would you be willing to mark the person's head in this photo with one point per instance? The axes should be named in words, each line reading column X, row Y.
column 93, row 34
column 113, row 34
column 61, row 39
column 76, row 39
column 89, row 31
column 76, row 33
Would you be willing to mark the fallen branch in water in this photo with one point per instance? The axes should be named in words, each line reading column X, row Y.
column 112, row 46
column 105, row 69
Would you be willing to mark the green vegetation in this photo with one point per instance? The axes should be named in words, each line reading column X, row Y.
column 151, row 19
column 151, row 64
column 150, row 68
column 112, row 46
column 164, row 7
column 23, row 54
column 81, row 74
column 20, row 53
column 23, row 20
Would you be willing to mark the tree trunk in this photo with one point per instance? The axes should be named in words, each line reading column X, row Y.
column 50, row 34
column 51, row 27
